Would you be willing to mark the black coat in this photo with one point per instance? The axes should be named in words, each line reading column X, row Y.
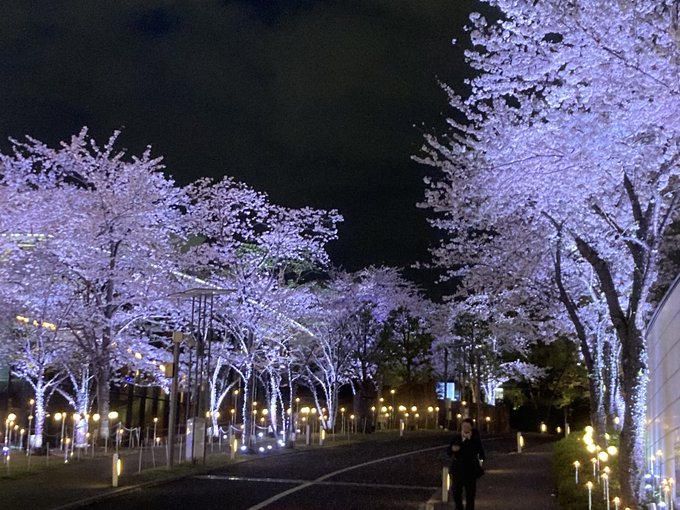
column 465, row 462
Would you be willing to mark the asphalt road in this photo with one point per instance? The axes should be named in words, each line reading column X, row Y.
column 385, row 472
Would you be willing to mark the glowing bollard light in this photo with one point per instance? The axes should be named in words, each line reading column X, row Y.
column 446, row 484
column 116, row 470
column 401, row 428
column 322, row 436
column 234, row 448
column 617, row 502
column 605, row 488
column 520, row 442
column 590, row 495
column 576, row 466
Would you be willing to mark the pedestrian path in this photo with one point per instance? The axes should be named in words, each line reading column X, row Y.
column 51, row 484
column 513, row 481
column 519, row 481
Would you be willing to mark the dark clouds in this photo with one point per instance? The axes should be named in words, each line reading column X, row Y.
column 313, row 102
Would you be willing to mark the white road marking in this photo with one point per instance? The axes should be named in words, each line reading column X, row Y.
column 306, row 484
column 300, row 481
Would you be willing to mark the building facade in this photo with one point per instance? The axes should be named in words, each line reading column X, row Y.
column 663, row 395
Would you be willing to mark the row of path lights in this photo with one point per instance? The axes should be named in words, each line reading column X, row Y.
column 601, row 472
column 79, row 421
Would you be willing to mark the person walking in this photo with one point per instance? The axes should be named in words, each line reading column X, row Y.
column 468, row 456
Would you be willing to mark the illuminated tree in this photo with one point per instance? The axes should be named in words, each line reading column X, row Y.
column 36, row 344
column 256, row 249
column 109, row 224
column 326, row 358
column 570, row 127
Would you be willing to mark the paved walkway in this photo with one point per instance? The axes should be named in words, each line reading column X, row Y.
column 51, row 484
column 514, row 481
column 519, row 481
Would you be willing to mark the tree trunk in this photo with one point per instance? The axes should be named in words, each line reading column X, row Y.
column 597, row 414
column 39, row 416
column 247, row 409
column 634, row 388
column 103, row 400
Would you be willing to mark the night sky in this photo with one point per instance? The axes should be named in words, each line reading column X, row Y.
column 318, row 103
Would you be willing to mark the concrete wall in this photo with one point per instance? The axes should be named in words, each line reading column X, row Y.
column 663, row 396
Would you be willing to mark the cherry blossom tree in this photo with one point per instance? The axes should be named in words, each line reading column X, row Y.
column 111, row 224
column 257, row 249
column 363, row 306
column 37, row 302
column 326, row 358
column 570, row 125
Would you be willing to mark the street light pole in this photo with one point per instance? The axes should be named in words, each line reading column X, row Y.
column 392, row 391
column 176, row 341
column 447, row 407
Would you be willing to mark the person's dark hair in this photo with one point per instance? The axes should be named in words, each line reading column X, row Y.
column 470, row 421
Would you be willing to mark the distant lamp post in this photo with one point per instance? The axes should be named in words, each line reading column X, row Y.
column 235, row 414
column 62, row 418
column 113, row 415
column 9, row 423
column 392, row 392
column 95, row 418
column 313, row 421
